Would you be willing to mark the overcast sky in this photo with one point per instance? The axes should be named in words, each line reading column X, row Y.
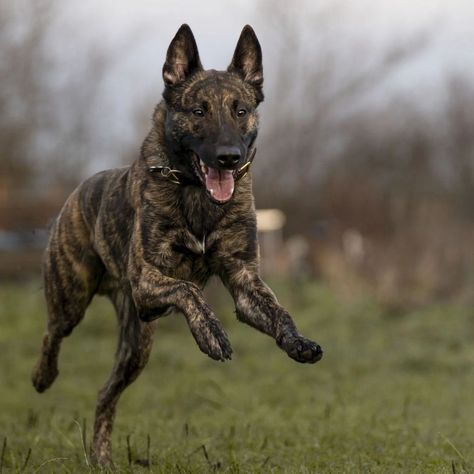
column 216, row 24
column 138, row 32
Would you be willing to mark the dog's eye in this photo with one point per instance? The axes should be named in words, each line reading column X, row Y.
column 241, row 113
column 198, row 112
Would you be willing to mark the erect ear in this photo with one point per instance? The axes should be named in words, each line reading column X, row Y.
column 247, row 60
column 182, row 58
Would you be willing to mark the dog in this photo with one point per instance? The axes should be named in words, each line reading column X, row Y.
column 149, row 236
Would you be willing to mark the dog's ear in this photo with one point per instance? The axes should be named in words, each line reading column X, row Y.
column 247, row 60
column 182, row 58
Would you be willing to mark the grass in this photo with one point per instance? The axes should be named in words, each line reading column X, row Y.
column 393, row 393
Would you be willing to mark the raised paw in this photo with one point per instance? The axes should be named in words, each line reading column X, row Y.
column 301, row 349
column 212, row 339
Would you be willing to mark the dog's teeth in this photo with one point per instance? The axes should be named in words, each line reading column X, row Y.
column 204, row 168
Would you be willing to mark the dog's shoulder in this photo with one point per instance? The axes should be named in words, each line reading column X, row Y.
column 96, row 191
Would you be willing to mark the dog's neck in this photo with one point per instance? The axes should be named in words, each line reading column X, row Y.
column 154, row 151
column 200, row 215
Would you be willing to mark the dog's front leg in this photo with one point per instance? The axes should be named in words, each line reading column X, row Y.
column 257, row 306
column 154, row 292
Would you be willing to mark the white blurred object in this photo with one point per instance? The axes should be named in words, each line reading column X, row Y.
column 270, row 220
column 270, row 224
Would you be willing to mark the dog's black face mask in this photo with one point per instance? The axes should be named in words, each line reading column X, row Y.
column 211, row 121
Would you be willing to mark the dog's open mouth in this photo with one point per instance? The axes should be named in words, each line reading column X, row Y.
column 219, row 183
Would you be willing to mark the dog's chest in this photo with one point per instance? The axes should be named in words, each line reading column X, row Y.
column 190, row 243
column 188, row 257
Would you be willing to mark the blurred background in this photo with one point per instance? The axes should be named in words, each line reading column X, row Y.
column 366, row 146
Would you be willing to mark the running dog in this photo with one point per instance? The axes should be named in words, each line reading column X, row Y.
column 149, row 236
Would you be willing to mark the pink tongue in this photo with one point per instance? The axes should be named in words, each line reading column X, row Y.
column 220, row 184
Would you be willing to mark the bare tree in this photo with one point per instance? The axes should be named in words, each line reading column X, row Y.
column 45, row 134
column 317, row 99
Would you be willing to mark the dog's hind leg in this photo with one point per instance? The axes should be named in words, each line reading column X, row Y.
column 133, row 350
column 71, row 275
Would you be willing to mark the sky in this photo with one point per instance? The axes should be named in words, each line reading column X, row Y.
column 137, row 33
column 217, row 23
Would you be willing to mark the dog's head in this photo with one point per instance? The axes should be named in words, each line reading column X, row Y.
column 211, row 120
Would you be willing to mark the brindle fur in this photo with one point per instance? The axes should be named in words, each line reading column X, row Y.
column 151, row 245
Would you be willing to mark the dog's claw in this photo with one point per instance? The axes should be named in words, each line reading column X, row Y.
column 301, row 349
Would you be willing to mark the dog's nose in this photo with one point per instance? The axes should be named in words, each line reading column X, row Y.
column 228, row 156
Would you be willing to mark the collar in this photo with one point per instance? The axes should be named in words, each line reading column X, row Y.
column 178, row 177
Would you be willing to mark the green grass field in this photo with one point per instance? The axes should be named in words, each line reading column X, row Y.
column 393, row 393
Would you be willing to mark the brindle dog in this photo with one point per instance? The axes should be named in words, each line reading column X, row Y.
column 149, row 236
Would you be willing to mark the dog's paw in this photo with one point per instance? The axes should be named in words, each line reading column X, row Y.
column 43, row 376
column 301, row 349
column 212, row 340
